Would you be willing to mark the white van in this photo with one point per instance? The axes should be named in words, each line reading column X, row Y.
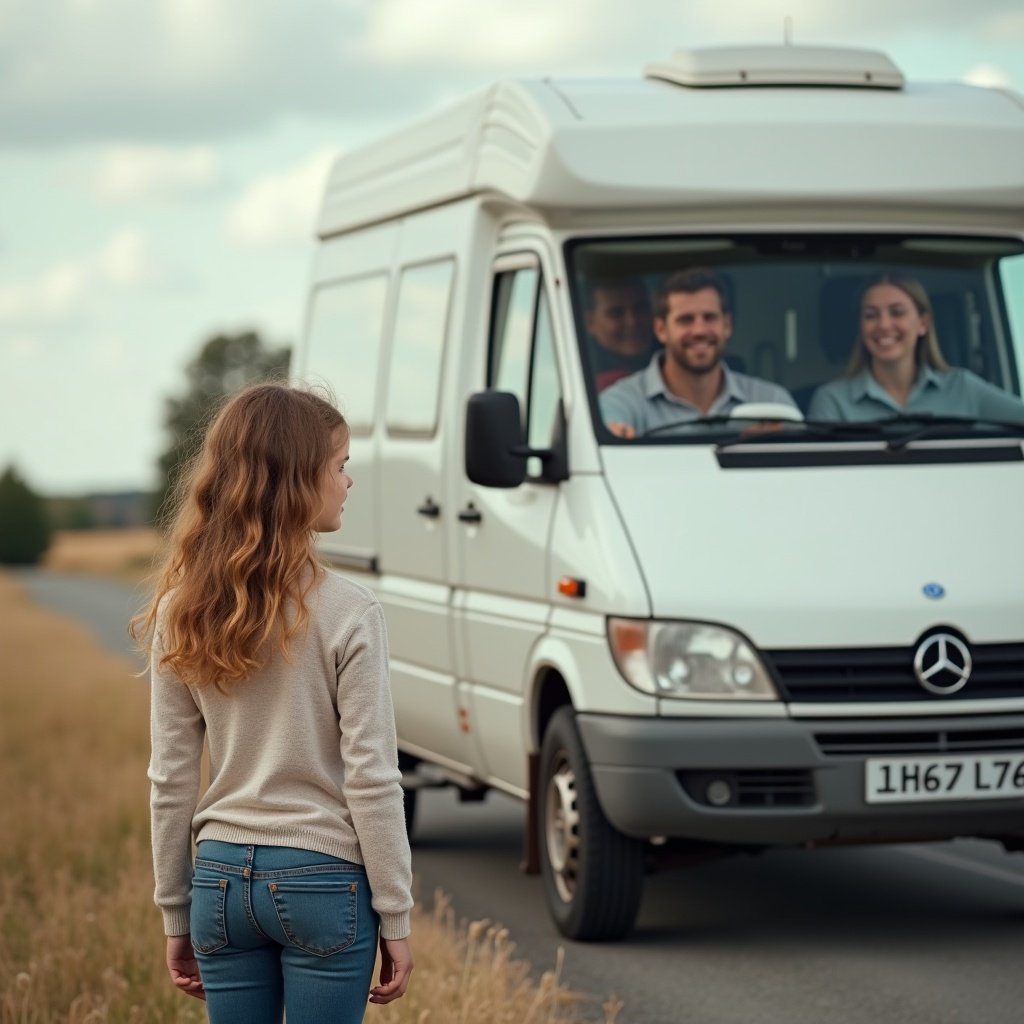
column 717, row 638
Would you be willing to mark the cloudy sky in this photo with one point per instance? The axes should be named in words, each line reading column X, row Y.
column 161, row 163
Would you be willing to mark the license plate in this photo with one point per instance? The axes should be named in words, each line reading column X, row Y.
column 967, row 777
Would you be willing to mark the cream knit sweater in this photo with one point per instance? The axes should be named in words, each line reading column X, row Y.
column 302, row 754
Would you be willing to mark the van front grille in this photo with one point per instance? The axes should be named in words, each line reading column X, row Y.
column 925, row 741
column 887, row 674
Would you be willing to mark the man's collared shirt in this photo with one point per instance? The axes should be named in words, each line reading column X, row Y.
column 644, row 402
column 955, row 392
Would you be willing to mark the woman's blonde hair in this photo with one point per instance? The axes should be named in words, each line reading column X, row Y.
column 927, row 351
column 240, row 558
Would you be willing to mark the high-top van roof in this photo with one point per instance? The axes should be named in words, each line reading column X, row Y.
column 720, row 130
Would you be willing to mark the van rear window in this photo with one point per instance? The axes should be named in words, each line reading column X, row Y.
column 676, row 333
column 346, row 322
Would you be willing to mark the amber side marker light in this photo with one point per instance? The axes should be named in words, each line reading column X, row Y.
column 572, row 587
column 628, row 637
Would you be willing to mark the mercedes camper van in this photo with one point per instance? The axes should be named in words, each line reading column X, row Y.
column 752, row 629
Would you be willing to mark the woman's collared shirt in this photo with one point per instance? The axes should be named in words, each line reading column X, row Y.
column 955, row 392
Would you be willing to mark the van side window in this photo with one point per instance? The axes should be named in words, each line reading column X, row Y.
column 523, row 358
column 515, row 298
column 545, row 390
column 417, row 351
column 345, row 327
column 1011, row 288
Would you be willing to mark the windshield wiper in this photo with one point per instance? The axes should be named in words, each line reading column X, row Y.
column 701, row 421
column 929, row 423
column 746, row 412
column 811, row 429
column 923, row 424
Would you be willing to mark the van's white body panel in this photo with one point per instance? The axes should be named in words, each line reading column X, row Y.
column 793, row 557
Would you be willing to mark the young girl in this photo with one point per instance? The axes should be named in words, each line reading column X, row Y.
column 282, row 666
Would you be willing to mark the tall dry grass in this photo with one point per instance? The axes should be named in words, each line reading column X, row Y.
column 77, row 941
column 80, row 940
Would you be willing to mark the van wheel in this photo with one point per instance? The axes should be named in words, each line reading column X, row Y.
column 593, row 874
column 407, row 765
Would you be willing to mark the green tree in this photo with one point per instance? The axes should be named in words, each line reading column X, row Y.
column 225, row 364
column 24, row 528
column 70, row 513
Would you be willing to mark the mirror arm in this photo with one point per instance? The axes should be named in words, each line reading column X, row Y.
column 525, row 452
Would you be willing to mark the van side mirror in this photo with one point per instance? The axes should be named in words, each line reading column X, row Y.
column 495, row 453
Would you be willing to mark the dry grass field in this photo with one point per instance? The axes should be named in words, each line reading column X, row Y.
column 77, row 941
column 126, row 554
column 80, row 941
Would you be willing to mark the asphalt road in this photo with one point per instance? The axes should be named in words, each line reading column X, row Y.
column 882, row 935
column 105, row 606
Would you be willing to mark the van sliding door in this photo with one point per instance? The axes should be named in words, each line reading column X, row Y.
column 414, row 588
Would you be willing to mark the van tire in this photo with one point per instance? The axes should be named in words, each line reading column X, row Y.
column 593, row 874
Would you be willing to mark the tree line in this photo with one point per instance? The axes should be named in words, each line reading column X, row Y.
column 224, row 364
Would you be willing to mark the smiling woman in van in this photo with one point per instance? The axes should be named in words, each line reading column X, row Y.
column 898, row 368
column 282, row 667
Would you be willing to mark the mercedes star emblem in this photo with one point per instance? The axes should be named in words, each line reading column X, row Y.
column 942, row 663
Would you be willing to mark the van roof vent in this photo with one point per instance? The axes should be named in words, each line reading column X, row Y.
column 779, row 65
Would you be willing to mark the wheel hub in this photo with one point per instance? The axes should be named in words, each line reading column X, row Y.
column 561, row 828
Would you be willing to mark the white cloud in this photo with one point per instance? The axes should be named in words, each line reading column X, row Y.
column 124, row 261
column 193, row 70
column 280, row 209
column 497, row 35
column 1005, row 26
column 166, row 69
column 214, row 34
column 156, row 172
column 989, row 76
column 478, row 34
column 49, row 295
column 816, row 23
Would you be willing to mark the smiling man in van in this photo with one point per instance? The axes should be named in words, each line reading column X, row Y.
column 689, row 380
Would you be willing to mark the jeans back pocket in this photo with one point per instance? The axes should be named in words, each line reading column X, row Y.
column 318, row 914
column 209, row 932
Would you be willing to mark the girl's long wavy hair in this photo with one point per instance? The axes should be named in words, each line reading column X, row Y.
column 240, row 559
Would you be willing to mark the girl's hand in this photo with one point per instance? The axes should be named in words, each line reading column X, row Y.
column 395, row 968
column 182, row 966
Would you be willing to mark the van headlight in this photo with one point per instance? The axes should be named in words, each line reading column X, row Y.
column 688, row 659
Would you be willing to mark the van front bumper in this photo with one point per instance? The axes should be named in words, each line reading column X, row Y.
column 654, row 777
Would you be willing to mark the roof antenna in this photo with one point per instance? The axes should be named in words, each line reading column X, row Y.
column 787, row 30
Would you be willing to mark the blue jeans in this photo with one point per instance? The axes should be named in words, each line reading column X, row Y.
column 277, row 929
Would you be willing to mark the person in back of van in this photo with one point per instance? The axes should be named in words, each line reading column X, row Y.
column 617, row 318
column 688, row 379
column 282, row 667
column 897, row 366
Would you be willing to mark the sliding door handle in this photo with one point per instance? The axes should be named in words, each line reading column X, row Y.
column 429, row 508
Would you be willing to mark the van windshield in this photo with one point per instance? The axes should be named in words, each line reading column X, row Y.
column 687, row 339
